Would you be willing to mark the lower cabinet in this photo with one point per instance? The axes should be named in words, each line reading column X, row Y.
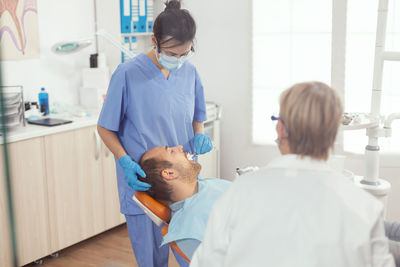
column 64, row 191
column 75, row 187
column 29, row 190
column 111, row 206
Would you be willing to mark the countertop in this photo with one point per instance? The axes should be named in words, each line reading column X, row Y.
column 31, row 131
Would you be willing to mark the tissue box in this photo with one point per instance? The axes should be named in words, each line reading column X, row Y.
column 90, row 97
column 94, row 87
column 96, row 78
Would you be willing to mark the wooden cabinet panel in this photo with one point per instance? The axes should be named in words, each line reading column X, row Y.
column 5, row 245
column 63, row 190
column 29, row 189
column 75, row 187
column 88, row 163
column 113, row 217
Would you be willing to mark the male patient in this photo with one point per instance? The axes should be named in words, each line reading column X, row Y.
column 173, row 177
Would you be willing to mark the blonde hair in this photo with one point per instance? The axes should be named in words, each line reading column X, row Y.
column 311, row 112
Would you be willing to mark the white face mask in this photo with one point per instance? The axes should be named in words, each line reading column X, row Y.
column 171, row 62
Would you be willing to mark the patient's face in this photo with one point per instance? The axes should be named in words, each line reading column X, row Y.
column 177, row 157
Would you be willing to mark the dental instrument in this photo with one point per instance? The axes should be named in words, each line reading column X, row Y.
column 191, row 156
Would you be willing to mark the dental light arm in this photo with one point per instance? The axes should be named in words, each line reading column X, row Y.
column 376, row 125
column 114, row 42
column 390, row 119
column 63, row 48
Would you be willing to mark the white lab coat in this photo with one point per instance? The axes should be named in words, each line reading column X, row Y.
column 294, row 212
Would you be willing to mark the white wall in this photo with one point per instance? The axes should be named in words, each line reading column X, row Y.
column 60, row 75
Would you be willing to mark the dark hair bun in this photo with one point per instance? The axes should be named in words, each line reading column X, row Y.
column 172, row 4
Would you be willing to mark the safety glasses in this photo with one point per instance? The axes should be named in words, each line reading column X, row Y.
column 276, row 118
column 188, row 54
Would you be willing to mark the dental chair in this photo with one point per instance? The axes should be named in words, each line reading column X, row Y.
column 159, row 213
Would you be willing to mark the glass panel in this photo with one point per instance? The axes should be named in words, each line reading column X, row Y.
column 311, row 57
column 312, row 16
column 362, row 22
column 271, row 16
column 266, row 102
column 359, row 71
column 288, row 47
column 271, row 58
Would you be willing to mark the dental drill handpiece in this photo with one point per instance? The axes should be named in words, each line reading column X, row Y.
column 190, row 156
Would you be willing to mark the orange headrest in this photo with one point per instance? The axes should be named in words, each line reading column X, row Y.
column 161, row 210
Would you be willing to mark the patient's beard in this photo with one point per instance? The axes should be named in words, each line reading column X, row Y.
column 191, row 172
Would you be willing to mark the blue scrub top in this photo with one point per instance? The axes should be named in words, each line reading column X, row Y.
column 147, row 110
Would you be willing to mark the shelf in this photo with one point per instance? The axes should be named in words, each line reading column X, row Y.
column 134, row 34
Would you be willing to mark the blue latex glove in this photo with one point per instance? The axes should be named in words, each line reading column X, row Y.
column 131, row 170
column 202, row 144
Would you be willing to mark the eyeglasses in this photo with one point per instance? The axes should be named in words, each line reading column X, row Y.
column 187, row 54
column 275, row 118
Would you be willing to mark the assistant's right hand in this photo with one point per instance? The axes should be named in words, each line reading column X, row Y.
column 131, row 170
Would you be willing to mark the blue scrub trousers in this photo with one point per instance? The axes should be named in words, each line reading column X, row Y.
column 146, row 238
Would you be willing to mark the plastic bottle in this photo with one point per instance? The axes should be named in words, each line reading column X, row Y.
column 44, row 102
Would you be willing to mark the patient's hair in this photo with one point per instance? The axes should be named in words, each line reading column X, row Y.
column 159, row 189
column 311, row 112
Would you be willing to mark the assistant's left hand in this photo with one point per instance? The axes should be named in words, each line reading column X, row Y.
column 202, row 144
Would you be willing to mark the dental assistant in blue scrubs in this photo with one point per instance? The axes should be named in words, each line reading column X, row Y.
column 155, row 99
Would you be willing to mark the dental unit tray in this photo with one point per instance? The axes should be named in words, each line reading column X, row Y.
column 356, row 121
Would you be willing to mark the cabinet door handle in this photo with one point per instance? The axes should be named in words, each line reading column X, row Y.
column 98, row 143
column 107, row 153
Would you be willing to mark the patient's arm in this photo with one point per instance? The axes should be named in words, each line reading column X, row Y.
column 188, row 246
column 392, row 230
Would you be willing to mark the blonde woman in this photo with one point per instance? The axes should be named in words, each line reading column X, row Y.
column 296, row 211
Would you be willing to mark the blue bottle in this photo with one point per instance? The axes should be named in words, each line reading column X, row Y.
column 44, row 102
